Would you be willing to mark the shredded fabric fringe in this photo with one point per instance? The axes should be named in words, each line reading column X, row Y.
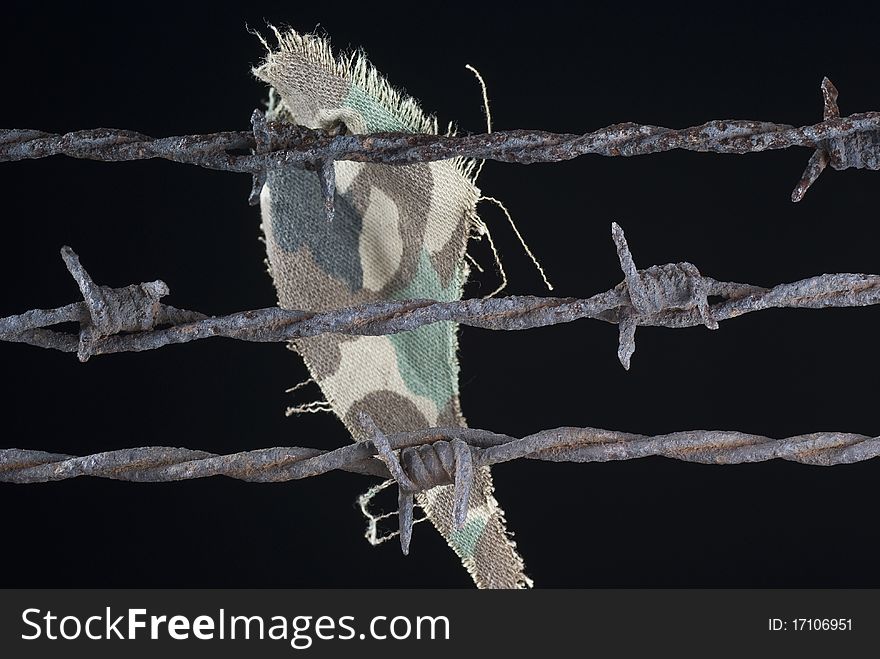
column 355, row 67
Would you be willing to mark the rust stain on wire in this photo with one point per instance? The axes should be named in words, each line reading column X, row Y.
column 434, row 456
column 843, row 142
column 133, row 319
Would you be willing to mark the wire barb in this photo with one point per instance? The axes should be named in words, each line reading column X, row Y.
column 113, row 310
column 422, row 468
column 405, row 487
column 659, row 289
column 860, row 150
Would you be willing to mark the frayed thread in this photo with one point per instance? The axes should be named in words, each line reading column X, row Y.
column 486, row 110
column 372, row 533
column 309, row 408
column 522, row 241
column 481, row 230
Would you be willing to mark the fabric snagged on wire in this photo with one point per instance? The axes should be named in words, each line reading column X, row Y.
column 399, row 232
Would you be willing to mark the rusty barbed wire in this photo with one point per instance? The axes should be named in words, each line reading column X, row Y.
column 434, row 457
column 673, row 295
column 842, row 142
column 670, row 295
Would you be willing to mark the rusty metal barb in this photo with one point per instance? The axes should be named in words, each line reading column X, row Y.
column 431, row 464
column 842, row 142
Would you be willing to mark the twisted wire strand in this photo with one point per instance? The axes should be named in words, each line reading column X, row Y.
column 217, row 150
column 671, row 295
column 159, row 464
column 842, row 142
column 426, row 460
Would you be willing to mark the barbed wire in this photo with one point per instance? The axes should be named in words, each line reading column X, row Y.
column 674, row 295
column 841, row 142
column 434, row 456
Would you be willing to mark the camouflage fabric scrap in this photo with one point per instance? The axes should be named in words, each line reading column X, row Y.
column 399, row 232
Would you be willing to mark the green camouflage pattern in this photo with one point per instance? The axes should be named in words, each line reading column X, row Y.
column 399, row 232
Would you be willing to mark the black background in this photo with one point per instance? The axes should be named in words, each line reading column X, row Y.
column 177, row 68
